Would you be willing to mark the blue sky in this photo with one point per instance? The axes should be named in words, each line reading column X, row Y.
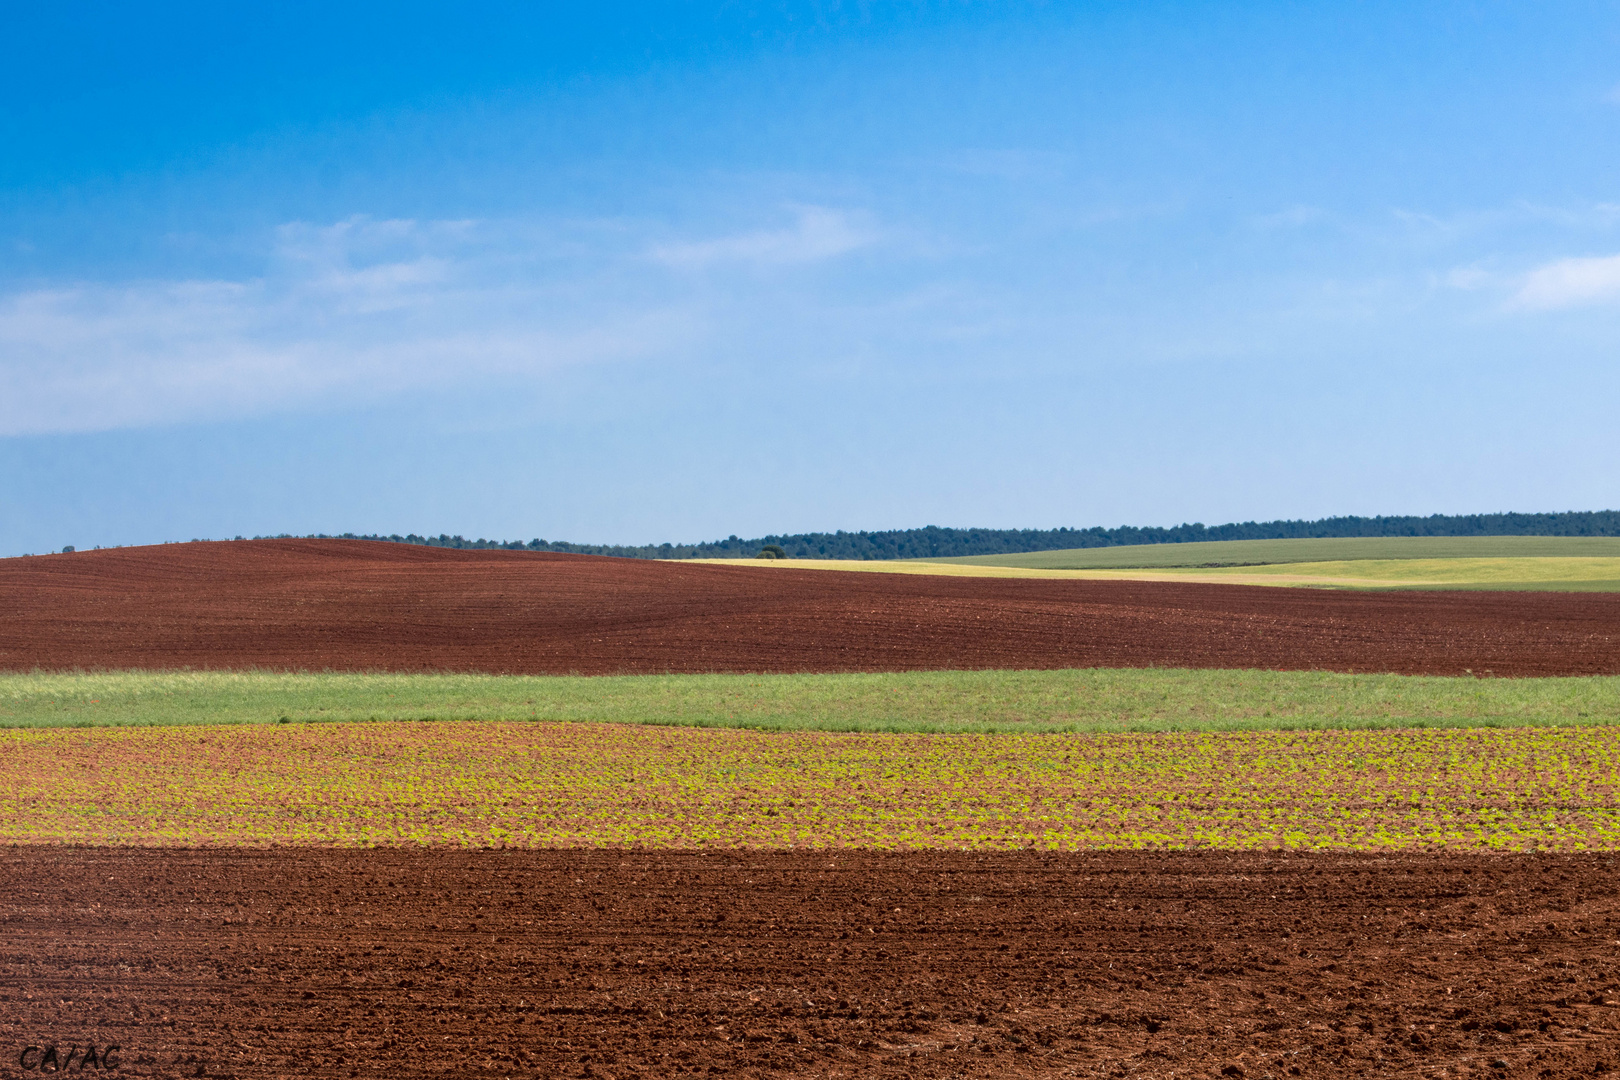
column 672, row 272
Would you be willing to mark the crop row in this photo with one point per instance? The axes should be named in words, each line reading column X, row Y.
column 562, row 785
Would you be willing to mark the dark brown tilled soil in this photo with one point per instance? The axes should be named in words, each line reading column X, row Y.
column 357, row 605
column 305, row 962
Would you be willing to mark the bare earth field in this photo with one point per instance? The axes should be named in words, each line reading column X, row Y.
column 390, row 962
column 356, row 605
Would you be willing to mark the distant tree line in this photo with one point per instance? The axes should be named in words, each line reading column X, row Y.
column 934, row 542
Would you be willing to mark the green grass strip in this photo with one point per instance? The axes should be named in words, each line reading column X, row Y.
column 1085, row 700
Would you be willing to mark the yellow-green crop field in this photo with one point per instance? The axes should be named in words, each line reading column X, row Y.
column 1313, row 550
column 537, row 784
column 1532, row 574
column 1534, row 563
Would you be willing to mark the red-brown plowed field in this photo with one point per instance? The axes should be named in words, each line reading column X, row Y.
column 305, row 962
column 351, row 605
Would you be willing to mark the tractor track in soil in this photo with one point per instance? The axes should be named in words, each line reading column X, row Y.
column 613, row 964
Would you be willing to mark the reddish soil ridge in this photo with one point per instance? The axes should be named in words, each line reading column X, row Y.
column 358, row 605
column 397, row 963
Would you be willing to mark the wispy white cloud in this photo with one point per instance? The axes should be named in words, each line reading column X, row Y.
column 93, row 358
column 1494, row 224
column 1013, row 165
column 1467, row 278
column 1571, row 283
column 363, row 309
column 1292, row 217
column 1587, row 217
column 819, row 234
column 352, row 311
column 360, row 310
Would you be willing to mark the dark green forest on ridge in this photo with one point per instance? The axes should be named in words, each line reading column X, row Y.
column 934, row 542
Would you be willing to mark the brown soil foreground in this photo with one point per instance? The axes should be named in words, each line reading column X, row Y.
column 353, row 605
column 304, row 962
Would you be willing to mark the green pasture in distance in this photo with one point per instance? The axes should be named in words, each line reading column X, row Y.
column 1536, row 574
column 1329, row 549
column 1084, row 700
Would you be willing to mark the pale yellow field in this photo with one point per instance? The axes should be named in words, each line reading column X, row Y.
column 1580, row 573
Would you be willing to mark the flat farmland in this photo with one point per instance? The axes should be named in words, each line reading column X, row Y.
column 357, row 606
column 654, row 855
